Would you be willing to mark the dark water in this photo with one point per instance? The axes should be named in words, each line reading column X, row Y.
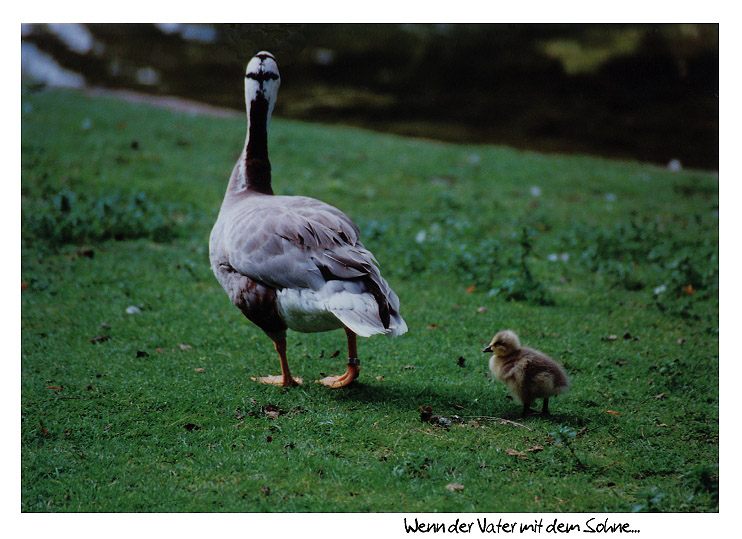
column 631, row 91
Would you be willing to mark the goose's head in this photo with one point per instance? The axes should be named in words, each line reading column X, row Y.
column 503, row 343
column 262, row 80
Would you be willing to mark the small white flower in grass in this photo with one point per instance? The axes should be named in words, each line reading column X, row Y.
column 610, row 197
column 535, row 191
column 660, row 289
column 133, row 309
column 674, row 165
column 420, row 236
column 554, row 257
column 473, row 159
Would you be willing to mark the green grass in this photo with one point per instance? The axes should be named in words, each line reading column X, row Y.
column 118, row 201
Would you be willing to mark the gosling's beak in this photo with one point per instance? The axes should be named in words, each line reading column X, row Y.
column 487, row 350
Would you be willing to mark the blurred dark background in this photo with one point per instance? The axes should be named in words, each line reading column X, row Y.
column 644, row 92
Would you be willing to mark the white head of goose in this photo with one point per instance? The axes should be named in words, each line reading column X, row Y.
column 292, row 261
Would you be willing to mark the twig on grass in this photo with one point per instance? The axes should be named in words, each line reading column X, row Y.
column 501, row 420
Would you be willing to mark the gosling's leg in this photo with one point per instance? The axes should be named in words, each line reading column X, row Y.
column 527, row 407
column 284, row 379
column 354, row 365
column 545, row 409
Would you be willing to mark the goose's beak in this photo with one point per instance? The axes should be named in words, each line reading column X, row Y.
column 487, row 350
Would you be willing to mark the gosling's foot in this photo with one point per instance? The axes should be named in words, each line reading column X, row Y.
column 278, row 380
column 527, row 412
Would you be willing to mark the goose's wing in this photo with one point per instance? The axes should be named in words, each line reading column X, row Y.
column 302, row 243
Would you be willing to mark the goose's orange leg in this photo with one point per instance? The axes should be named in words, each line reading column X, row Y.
column 284, row 379
column 354, row 365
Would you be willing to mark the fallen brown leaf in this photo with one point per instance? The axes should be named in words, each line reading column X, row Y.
column 612, row 412
column 432, row 326
column 481, row 310
column 55, row 388
column 380, row 378
column 471, row 289
column 199, row 369
column 24, row 285
column 184, row 346
column 265, row 490
column 455, row 487
column 689, row 290
column 660, row 397
column 516, row 453
column 535, row 449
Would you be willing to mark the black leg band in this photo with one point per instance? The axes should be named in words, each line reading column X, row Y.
column 354, row 361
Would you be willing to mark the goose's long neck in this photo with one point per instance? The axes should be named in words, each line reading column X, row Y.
column 261, row 90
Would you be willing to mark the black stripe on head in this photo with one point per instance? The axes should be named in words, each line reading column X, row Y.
column 264, row 55
column 262, row 76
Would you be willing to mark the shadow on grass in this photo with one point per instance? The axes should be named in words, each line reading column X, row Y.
column 450, row 401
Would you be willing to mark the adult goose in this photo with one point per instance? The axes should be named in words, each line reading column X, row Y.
column 292, row 261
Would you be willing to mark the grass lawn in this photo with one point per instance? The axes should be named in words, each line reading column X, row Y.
column 136, row 390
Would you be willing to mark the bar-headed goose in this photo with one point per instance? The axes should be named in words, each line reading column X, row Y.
column 292, row 261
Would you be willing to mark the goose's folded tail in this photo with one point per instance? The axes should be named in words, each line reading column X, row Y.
column 360, row 313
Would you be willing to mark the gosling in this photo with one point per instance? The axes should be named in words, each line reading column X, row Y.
column 528, row 373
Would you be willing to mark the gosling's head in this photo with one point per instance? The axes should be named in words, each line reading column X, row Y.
column 503, row 343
